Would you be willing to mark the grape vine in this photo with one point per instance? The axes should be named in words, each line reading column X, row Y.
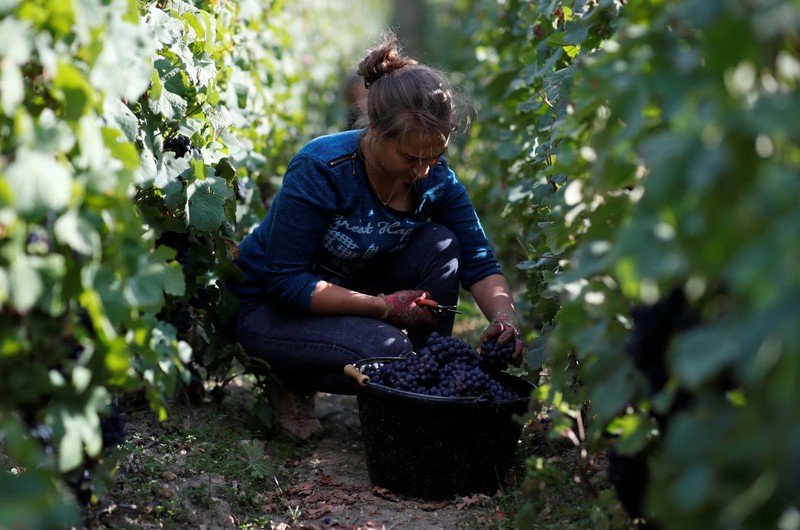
column 138, row 141
column 639, row 156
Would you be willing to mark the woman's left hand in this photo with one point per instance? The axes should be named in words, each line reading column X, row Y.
column 503, row 329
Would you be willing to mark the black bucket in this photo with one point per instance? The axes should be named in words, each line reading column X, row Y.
column 436, row 448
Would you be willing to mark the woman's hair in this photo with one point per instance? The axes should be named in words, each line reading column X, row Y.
column 404, row 94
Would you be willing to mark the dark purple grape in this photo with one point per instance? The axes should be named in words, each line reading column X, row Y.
column 183, row 321
column 180, row 145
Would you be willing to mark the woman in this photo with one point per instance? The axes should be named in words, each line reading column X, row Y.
column 367, row 223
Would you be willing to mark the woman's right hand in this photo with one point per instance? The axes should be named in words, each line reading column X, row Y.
column 403, row 311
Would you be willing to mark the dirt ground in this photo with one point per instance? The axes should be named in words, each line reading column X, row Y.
column 335, row 488
column 163, row 482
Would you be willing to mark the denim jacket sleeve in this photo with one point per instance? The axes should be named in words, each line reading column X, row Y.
column 291, row 232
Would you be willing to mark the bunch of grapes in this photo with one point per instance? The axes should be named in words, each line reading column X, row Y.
column 496, row 357
column 654, row 327
column 113, row 428
column 180, row 145
column 444, row 367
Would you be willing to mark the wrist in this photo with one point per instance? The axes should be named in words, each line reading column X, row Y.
column 385, row 307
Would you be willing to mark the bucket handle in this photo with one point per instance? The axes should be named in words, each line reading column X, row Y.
column 352, row 371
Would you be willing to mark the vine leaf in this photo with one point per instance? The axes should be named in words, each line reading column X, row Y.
column 39, row 183
column 257, row 462
column 206, row 201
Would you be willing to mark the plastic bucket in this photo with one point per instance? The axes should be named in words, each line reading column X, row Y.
column 437, row 448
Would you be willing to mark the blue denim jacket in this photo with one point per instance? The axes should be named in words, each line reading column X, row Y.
column 326, row 223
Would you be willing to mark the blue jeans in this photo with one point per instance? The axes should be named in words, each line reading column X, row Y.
column 308, row 352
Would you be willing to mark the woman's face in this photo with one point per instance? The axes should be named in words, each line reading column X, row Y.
column 410, row 157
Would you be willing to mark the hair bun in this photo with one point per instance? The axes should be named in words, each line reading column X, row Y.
column 384, row 59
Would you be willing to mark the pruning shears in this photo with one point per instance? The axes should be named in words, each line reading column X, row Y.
column 436, row 307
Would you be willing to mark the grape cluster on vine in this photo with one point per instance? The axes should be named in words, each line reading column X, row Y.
column 446, row 367
column 654, row 327
column 179, row 144
column 113, row 428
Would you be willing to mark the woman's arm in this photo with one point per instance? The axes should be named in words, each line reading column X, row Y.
column 493, row 296
column 400, row 309
column 329, row 299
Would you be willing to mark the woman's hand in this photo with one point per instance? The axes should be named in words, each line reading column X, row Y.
column 403, row 311
column 503, row 329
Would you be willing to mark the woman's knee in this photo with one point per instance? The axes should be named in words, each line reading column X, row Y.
column 440, row 239
column 385, row 341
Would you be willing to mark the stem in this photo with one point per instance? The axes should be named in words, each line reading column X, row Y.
column 174, row 129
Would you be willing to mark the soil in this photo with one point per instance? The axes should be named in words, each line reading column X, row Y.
column 342, row 496
column 323, row 484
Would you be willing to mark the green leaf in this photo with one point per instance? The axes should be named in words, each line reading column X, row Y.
column 576, row 34
column 70, row 448
column 148, row 169
column 33, row 499
column 81, row 429
column 172, row 106
column 25, row 282
column 165, row 28
column 123, row 67
column 692, row 487
column 175, row 198
column 633, row 432
column 702, row 353
column 206, row 200
column 176, row 79
column 81, row 378
column 12, row 87
column 53, row 269
column 146, row 288
column 257, row 463
column 612, row 395
column 537, row 354
column 208, row 45
column 556, row 235
column 118, row 362
column 156, row 87
column 97, row 306
column 169, row 169
column 39, row 183
column 213, row 152
column 73, row 230
column 219, row 118
column 16, row 41
column 225, row 170
column 75, row 89
column 193, row 22
column 118, row 115
column 121, row 150
column 4, row 286
column 174, row 280
column 167, row 98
